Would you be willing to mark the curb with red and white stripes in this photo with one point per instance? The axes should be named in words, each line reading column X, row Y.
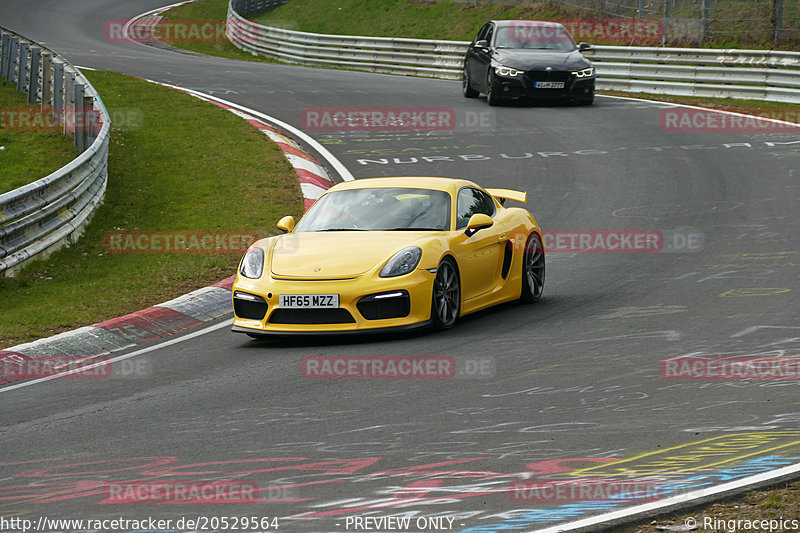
column 189, row 310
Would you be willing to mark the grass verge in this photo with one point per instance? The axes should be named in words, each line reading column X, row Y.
column 750, row 508
column 386, row 18
column 737, row 24
column 190, row 166
column 215, row 12
column 27, row 152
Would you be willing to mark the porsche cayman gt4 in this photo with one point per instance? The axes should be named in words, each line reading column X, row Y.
column 390, row 254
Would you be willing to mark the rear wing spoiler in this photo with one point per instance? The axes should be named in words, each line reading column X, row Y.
column 507, row 194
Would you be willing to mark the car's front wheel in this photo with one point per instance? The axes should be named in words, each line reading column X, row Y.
column 446, row 304
column 532, row 270
column 466, row 86
column 492, row 96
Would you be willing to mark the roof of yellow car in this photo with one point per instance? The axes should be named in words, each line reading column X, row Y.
column 416, row 182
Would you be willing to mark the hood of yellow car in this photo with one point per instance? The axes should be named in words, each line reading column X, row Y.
column 336, row 254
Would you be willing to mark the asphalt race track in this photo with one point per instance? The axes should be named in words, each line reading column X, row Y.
column 570, row 388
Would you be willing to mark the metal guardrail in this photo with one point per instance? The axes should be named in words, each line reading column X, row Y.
column 38, row 218
column 750, row 74
column 248, row 7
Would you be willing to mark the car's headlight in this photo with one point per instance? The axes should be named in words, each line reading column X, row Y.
column 253, row 263
column 403, row 262
column 508, row 71
column 585, row 73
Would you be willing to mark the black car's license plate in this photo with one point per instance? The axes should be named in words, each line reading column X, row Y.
column 548, row 84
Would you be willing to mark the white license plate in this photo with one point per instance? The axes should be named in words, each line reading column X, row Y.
column 548, row 84
column 309, row 301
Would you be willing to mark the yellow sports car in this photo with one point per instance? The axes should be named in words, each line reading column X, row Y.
column 384, row 254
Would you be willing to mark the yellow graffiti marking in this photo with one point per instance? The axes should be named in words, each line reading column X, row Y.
column 697, row 455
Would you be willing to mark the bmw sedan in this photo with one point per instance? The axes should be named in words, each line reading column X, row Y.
column 528, row 58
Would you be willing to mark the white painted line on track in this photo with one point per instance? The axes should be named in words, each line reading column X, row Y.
column 687, row 106
column 647, row 509
column 225, row 323
column 345, row 174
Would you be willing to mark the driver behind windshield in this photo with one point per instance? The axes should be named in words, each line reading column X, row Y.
column 534, row 37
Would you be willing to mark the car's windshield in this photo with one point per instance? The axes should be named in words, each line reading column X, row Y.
column 530, row 36
column 379, row 209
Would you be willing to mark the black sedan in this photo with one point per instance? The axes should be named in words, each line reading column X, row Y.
column 528, row 58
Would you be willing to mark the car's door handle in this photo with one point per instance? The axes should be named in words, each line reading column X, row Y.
column 502, row 237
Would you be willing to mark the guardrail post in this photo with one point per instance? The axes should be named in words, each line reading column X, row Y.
column 58, row 92
column 777, row 18
column 12, row 60
column 69, row 108
column 4, row 46
column 640, row 11
column 22, row 74
column 80, row 118
column 33, row 84
column 705, row 10
column 667, row 15
column 47, row 80
column 89, row 121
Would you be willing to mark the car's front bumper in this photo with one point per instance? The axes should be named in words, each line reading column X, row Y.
column 523, row 86
column 347, row 318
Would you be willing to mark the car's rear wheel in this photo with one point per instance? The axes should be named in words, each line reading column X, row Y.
column 446, row 304
column 532, row 270
column 466, row 86
column 492, row 97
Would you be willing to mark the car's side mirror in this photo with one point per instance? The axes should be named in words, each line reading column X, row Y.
column 483, row 43
column 286, row 223
column 584, row 47
column 478, row 222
